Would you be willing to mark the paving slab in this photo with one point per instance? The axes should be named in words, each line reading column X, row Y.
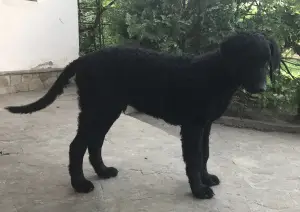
column 259, row 171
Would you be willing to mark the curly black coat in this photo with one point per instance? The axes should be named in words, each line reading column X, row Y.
column 190, row 91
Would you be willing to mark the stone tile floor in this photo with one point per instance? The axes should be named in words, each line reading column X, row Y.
column 259, row 171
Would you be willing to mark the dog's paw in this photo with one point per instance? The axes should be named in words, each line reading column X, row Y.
column 108, row 172
column 82, row 186
column 210, row 180
column 203, row 192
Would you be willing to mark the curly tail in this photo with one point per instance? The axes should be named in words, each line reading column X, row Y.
column 56, row 90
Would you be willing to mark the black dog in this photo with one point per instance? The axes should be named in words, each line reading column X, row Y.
column 188, row 91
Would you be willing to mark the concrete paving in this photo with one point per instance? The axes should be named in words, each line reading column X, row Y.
column 259, row 171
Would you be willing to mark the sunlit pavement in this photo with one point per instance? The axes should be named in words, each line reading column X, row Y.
column 259, row 171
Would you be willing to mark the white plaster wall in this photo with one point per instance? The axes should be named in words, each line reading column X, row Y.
column 34, row 33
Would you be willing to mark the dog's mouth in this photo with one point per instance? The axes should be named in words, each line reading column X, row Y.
column 256, row 89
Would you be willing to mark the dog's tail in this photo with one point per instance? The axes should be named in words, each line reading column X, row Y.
column 56, row 90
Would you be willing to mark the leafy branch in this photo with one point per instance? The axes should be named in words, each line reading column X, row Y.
column 287, row 69
column 100, row 11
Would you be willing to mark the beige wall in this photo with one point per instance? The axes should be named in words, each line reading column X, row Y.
column 33, row 34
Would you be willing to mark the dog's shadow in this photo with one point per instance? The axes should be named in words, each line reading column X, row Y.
column 179, row 191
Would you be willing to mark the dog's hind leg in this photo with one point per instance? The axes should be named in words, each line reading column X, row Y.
column 192, row 150
column 76, row 153
column 93, row 123
column 207, row 179
column 105, row 119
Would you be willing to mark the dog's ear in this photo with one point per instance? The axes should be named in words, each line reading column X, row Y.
column 275, row 57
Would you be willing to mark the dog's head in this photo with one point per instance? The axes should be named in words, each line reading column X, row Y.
column 248, row 55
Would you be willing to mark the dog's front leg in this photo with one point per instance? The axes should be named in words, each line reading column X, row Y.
column 207, row 179
column 192, row 150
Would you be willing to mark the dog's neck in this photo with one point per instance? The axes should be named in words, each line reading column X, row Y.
column 217, row 70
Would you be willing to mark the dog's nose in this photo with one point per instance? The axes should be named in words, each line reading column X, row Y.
column 262, row 88
column 255, row 90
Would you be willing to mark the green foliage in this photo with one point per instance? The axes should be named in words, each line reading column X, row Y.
column 282, row 96
column 172, row 25
column 197, row 26
column 93, row 21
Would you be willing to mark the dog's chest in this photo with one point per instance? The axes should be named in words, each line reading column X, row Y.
column 217, row 106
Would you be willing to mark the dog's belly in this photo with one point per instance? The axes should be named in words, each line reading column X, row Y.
column 172, row 113
column 157, row 110
column 180, row 106
column 217, row 108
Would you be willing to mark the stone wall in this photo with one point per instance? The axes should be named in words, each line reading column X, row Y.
column 20, row 81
